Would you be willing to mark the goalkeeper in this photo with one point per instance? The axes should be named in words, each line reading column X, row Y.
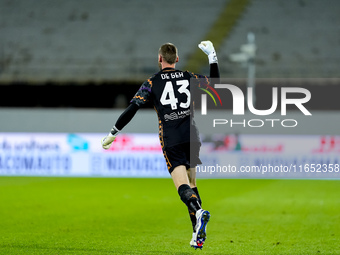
column 169, row 92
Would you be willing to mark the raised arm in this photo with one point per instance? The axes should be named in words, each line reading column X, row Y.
column 208, row 48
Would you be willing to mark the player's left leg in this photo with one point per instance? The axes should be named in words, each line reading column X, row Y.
column 186, row 193
column 189, row 197
column 191, row 172
column 199, row 223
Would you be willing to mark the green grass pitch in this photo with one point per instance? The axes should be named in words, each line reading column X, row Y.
column 145, row 216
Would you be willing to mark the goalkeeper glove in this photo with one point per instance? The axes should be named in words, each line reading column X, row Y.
column 208, row 48
column 109, row 139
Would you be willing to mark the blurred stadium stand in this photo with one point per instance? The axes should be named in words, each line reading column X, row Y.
column 296, row 39
column 109, row 47
column 90, row 40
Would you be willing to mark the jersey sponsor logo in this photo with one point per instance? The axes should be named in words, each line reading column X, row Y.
column 171, row 116
column 177, row 115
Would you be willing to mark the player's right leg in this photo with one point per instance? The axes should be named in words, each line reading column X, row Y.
column 191, row 172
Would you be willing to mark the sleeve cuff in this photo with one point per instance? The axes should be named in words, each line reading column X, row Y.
column 114, row 131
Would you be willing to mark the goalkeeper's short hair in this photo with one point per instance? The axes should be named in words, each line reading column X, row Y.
column 169, row 52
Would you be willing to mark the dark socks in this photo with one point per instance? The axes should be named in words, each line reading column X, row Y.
column 189, row 198
column 198, row 195
column 191, row 213
column 193, row 220
column 192, row 200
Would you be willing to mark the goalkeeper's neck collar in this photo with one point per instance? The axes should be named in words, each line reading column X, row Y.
column 168, row 69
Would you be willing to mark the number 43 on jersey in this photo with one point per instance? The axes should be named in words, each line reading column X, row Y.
column 168, row 96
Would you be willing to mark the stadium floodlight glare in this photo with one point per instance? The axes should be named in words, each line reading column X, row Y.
column 247, row 57
column 249, row 49
column 239, row 57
